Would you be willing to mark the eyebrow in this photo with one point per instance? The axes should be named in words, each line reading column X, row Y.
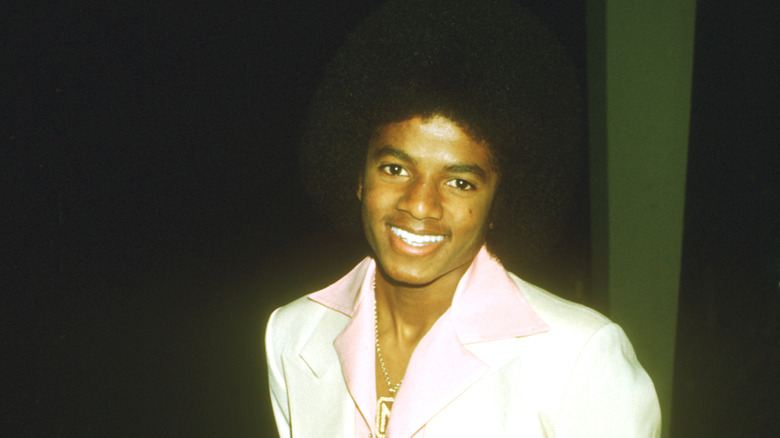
column 467, row 168
column 453, row 168
column 401, row 155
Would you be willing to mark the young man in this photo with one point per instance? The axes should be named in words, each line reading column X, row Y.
column 430, row 336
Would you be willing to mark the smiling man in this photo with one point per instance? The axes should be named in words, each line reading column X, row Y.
column 426, row 192
column 454, row 127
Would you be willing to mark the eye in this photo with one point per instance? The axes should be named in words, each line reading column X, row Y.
column 394, row 170
column 461, row 184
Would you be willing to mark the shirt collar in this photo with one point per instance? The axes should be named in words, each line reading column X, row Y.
column 487, row 304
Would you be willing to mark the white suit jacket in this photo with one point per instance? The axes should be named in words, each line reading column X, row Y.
column 506, row 360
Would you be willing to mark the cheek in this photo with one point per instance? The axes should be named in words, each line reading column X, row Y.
column 469, row 217
column 375, row 201
column 476, row 215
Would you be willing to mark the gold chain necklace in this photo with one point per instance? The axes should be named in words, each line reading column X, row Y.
column 383, row 404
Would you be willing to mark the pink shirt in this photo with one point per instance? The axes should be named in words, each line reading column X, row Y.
column 487, row 306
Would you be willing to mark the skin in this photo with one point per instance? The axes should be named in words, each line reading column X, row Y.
column 424, row 176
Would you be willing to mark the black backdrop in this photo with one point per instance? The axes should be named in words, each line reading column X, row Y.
column 726, row 381
column 153, row 214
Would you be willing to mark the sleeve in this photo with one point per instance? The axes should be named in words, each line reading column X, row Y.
column 276, row 380
column 609, row 394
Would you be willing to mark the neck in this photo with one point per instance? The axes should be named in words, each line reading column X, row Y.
column 406, row 312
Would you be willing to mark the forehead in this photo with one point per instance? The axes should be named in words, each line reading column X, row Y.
column 439, row 128
column 435, row 138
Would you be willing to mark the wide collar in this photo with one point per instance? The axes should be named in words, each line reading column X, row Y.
column 487, row 306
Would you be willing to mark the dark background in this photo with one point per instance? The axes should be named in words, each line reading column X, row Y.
column 153, row 214
column 726, row 379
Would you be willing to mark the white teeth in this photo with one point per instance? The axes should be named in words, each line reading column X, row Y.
column 415, row 239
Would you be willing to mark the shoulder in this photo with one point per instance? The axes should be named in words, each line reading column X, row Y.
column 326, row 312
column 291, row 325
column 601, row 386
column 579, row 338
column 296, row 313
column 564, row 317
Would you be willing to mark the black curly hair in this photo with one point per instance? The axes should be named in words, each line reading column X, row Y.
column 489, row 66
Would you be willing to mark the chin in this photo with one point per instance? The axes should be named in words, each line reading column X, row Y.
column 403, row 275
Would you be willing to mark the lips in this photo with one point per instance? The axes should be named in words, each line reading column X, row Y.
column 416, row 240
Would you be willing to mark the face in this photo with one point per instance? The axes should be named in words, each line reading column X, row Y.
column 426, row 193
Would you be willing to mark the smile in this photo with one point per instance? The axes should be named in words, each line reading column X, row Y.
column 416, row 239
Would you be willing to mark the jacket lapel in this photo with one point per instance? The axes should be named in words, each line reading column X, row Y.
column 440, row 370
column 353, row 348
column 474, row 336
column 478, row 333
column 317, row 394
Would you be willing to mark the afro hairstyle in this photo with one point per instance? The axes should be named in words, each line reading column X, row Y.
column 489, row 66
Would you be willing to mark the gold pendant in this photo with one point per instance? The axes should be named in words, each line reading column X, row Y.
column 383, row 407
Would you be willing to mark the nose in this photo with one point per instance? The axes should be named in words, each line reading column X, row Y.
column 422, row 200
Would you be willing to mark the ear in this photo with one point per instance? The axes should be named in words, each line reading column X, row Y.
column 360, row 187
column 492, row 213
